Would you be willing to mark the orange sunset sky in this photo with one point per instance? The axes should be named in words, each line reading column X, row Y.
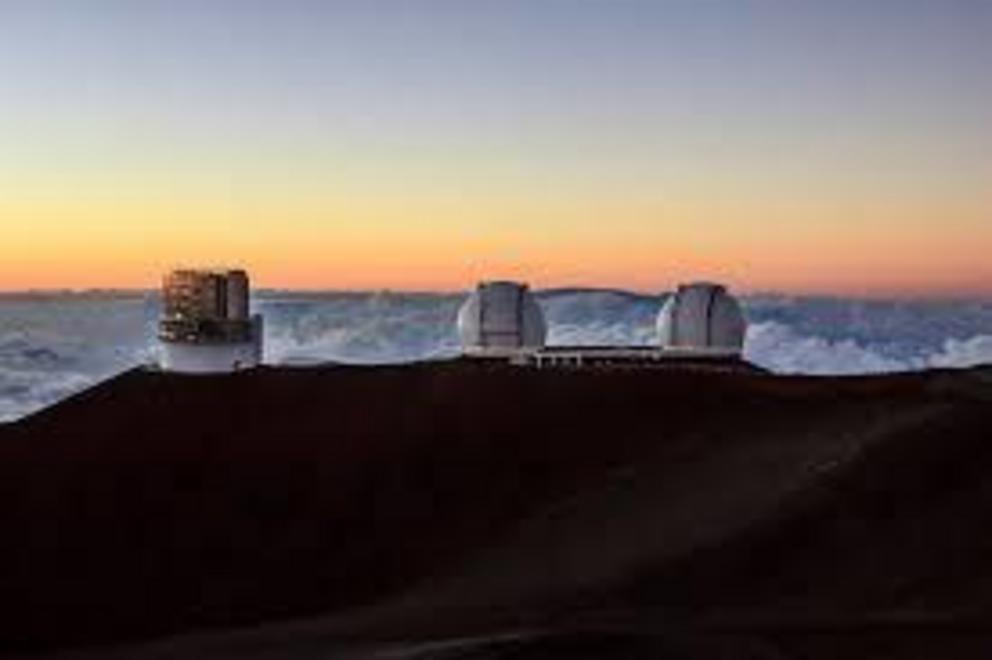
column 795, row 147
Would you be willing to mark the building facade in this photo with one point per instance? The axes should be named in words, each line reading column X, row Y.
column 206, row 325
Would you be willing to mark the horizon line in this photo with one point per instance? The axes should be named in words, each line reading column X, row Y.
column 911, row 296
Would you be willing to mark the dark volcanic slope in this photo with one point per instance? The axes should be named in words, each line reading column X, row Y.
column 438, row 500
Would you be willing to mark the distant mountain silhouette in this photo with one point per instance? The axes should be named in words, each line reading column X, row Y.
column 623, row 293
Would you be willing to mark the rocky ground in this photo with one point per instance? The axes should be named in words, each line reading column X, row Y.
column 468, row 510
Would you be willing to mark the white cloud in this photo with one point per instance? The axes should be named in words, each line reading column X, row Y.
column 781, row 349
column 964, row 353
column 52, row 348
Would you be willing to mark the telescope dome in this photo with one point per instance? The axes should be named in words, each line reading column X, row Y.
column 500, row 318
column 702, row 317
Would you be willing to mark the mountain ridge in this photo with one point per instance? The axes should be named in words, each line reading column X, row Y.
column 449, row 500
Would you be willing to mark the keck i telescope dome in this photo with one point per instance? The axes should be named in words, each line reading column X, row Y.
column 501, row 318
column 702, row 317
column 205, row 325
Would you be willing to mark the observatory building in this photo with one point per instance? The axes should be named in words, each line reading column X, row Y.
column 700, row 326
column 501, row 319
column 206, row 326
column 702, row 318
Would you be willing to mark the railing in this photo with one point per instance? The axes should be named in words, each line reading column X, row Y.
column 205, row 330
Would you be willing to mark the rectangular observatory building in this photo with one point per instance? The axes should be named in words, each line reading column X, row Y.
column 206, row 325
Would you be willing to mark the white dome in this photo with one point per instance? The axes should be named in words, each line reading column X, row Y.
column 500, row 317
column 702, row 317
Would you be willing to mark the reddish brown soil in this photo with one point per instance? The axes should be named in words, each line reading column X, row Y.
column 692, row 513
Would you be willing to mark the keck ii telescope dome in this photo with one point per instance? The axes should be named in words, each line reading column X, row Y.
column 703, row 318
column 501, row 318
column 206, row 326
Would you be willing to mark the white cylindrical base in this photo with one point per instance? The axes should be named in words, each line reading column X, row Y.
column 212, row 357
column 207, row 358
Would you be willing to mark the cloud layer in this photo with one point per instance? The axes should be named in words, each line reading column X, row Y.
column 53, row 346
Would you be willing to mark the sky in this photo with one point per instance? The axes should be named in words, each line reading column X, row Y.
column 805, row 147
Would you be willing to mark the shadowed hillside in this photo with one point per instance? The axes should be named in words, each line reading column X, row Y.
column 645, row 513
